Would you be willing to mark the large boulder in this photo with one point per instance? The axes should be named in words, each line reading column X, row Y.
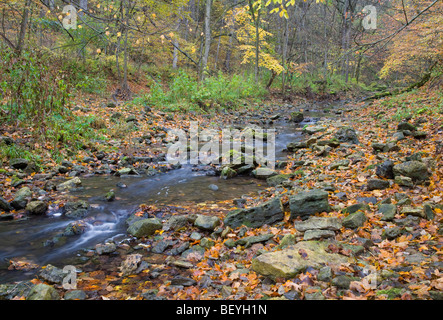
column 416, row 170
column 266, row 213
column 292, row 260
column 308, row 203
column 76, row 209
column 18, row 163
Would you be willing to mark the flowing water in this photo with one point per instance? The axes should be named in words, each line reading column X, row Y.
column 30, row 239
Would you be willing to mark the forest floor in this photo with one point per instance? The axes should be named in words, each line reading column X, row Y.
column 384, row 223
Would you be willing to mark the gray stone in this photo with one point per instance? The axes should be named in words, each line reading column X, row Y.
column 249, row 241
column 297, row 116
column 388, row 210
column 325, row 274
column 228, row 173
column 343, row 282
column 76, row 209
column 4, row 205
column 43, row 292
column 357, row 207
column 377, row 184
column 418, row 212
column 308, row 203
column 294, row 146
column 398, row 136
column 346, row 134
column 75, row 295
column 177, row 222
column 406, row 126
column 318, row 234
column 339, row 163
column 354, row 220
column 278, row 179
column 266, row 213
column 318, row 223
column 263, row 173
column 183, row 281
column 18, row 163
column 70, row 184
column 37, row 207
column 311, row 129
column 391, row 233
column 105, row 248
column 205, row 222
column 21, row 198
column 52, row 274
column 416, row 170
column 287, row 263
column 404, row 181
column 144, row 227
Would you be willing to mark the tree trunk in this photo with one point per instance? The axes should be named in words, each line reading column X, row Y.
column 23, row 26
column 284, row 52
column 204, row 66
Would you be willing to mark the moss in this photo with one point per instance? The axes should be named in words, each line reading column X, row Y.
column 391, row 293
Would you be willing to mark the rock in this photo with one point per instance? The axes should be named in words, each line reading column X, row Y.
column 177, row 222
column 406, row 126
column 419, row 134
column 52, row 274
column 20, row 198
column 213, row 187
column 385, row 170
column 263, row 173
column 194, row 253
column 278, row 179
column 105, row 248
column 318, row 234
column 183, row 281
column 343, row 282
column 416, row 170
column 314, row 293
column 249, row 241
column 161, row 245
column 75, row 295
column 388, row 210
column 428, row 212
column 338, row 164
column 391, row 233
column 318, row 223
column 126, row 171
column 70, row 184
column 18, row 163
column 357, row 207
column 308, row 203
column 297, row 117
column 228, row 173
column 311, row 129
column 377, row 184
column 418, row 212
column 110, row 195
column 74, row 228
column 207, row 222
column 37, row 207
column 6, row 140
column 76, row 209
column 294, row 146
column 404, row 181
column 287, row 263
column 144, row 227
column 346, row 134
column 266, row 213
column 43, row 292
column 385, row 147
column 325, row 274
column 398, row 136
column 354, row 220
column 4, row 205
